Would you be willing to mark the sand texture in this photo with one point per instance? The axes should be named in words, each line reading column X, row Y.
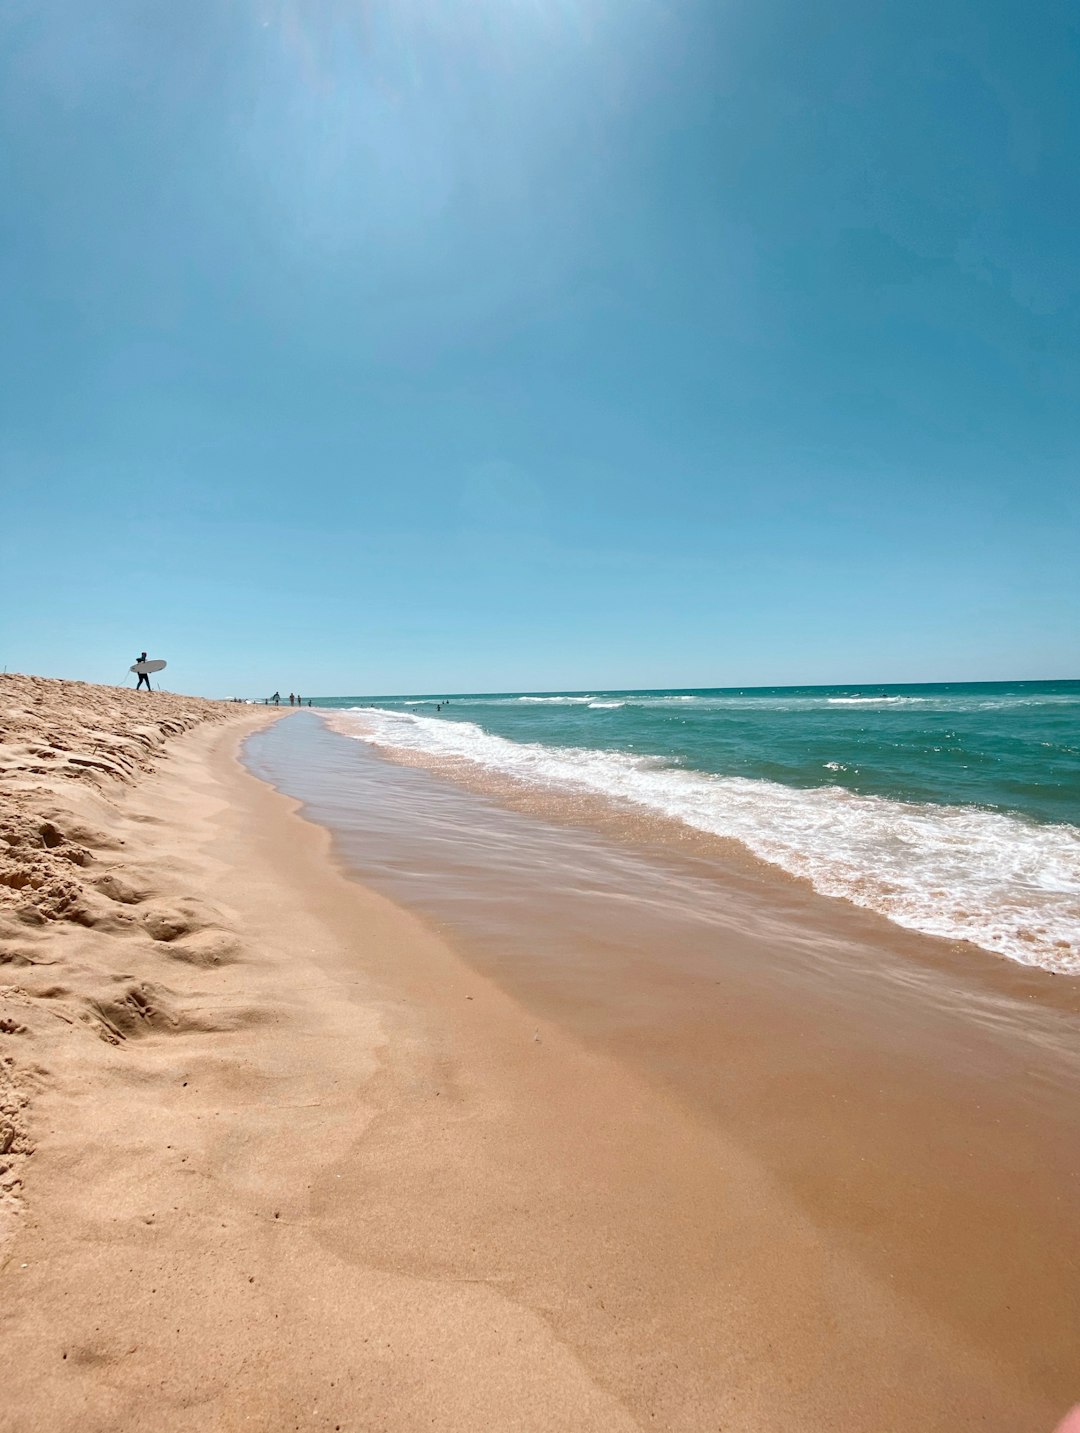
column 197, row 1078
column 277, row 1157
column 65, row 749
column 56, row 733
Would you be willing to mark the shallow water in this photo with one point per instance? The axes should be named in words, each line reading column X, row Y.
column 951, row 810
column 526, row 883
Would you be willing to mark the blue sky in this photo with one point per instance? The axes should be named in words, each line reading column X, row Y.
column 509, row 344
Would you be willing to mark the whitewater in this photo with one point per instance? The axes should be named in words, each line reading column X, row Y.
column 994, row 877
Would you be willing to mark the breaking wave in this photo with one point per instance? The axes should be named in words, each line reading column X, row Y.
column 996, row 879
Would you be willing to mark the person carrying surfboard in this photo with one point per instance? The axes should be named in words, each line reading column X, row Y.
column 143, row 676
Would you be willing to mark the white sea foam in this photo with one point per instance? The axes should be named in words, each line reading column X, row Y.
column 1004, row 883
column 605, row 706
column 555, row 701
column 701, row 702
column 873, row 701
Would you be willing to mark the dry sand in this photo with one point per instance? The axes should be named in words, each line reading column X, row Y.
column 279, row 1159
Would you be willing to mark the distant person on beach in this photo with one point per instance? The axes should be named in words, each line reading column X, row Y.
column 143, row 676
column 299, row 700
column 276, row 699
column 292, row 699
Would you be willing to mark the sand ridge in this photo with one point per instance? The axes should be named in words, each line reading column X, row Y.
column 57, row 733
column 68, row 750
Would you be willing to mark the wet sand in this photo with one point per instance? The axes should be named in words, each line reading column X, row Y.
column 915, row 1100
column 537, row 1152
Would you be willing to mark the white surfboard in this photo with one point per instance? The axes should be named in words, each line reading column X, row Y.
column 145, row 668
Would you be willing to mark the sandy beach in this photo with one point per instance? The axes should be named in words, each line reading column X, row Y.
column 280, row 1152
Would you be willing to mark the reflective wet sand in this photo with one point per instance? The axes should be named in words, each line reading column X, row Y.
column 911, row 1106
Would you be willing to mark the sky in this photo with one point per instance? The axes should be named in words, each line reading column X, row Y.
column 370, row 346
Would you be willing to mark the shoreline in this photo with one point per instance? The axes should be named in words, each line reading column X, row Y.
column 870, row 1106
column 340, row 1177
column 949, row 869
column 624, row 822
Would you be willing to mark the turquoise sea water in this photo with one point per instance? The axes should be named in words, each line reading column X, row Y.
column 953, row 809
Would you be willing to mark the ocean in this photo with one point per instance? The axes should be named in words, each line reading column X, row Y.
column 951, row 809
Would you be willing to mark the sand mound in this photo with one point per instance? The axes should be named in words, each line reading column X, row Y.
column 68, row 750
column 54, row 733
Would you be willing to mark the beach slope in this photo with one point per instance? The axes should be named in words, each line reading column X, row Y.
column 275, row 1156
column 192, row 1052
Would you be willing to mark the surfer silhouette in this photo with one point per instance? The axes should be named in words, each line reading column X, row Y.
column 143, row 676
